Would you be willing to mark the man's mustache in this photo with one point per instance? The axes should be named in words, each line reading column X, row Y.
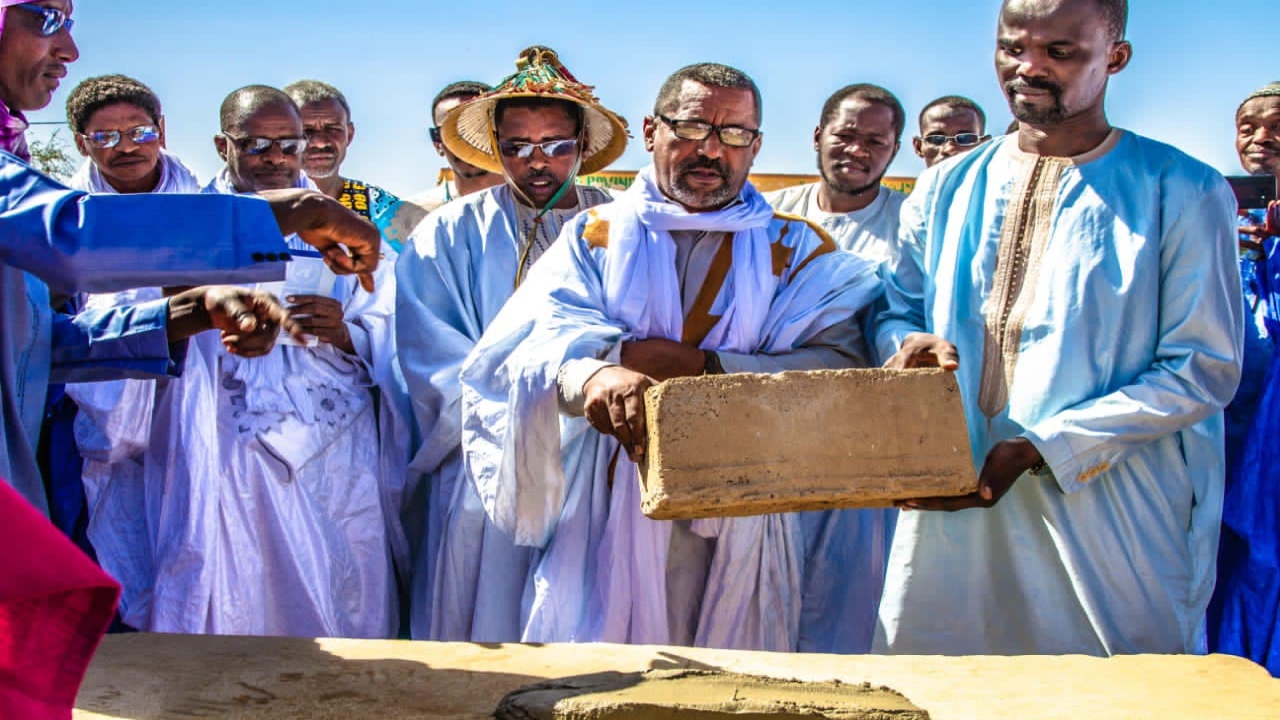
column 1021, row 84
column 539, row 175
column 706, row 163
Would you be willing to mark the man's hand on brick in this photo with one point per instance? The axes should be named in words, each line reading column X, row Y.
column 1007, row 461
column 615, row 406
column 923, row 350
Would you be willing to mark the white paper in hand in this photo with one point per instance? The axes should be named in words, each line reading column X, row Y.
column 304, row 275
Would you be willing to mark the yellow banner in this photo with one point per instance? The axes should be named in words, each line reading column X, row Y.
column 764, row 182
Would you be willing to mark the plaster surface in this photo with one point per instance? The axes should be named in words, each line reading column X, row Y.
column 167, row 676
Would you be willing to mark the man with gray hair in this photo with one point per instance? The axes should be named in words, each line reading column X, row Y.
column 327, row 124
column 688, row 272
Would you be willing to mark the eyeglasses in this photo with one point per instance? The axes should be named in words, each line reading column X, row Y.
column 434, row 132
column 960, row 139
column 550, row 148
column 262, row 145
column 54, row 19
column 697, row 131
column 140, row 135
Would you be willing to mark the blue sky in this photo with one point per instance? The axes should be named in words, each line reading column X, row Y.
column 1192, row 63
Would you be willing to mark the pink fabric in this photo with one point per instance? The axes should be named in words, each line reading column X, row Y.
column 55, row 605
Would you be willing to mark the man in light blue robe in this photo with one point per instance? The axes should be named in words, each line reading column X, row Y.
column 1081, row 281
column 687, row 273
column 55, row 240
column 462, row 264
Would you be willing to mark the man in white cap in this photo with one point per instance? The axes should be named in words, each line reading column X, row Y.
column 1245, row 610
column 539, row 128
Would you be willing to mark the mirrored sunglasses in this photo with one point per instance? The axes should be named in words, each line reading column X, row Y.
column 261, row 145
column 434, row 132
column 54, row 20
column 697, row 131
column 140, row 135
column 550, row 148
column 961, row 139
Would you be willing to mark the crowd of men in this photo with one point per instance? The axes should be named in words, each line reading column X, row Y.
column 443, row 443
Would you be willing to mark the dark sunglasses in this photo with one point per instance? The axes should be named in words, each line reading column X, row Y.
column 697, row 131
column 140, row 135
column 54, row 19
column 434, row 132
column 550, row 148
column 961, row 139
column 261, row 145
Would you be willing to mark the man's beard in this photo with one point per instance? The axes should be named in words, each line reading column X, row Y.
column 845, row 189
column 326, row 171
column 702, row 199
column 1035, row 115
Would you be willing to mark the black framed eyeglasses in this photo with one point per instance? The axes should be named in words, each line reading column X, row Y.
column 105, row 139
column 434, row 132
column 55, row 20
column 550, row 148
column 697, row 131
column 261, row 145
column 960, row 139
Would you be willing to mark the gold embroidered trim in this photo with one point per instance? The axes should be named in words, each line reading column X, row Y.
column 1018, row 261
column 596, row 232
column 698, row 323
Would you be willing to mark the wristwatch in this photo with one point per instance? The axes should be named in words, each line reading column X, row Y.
column 711, row 363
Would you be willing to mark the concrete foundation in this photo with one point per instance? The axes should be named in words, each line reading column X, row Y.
column 747, row 444
column 167, row 676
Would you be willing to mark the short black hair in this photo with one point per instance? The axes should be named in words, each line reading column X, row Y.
column 958, row 102
column 570, row 108
column 248, row 100
column 1114, row 12
column 867, row 93
column 305, row 92
column 459, row 89
column 95, row 93
column 711, row 75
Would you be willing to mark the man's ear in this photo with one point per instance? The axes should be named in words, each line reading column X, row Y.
column 918, row 145
column 220, row 144
column 817, row 136
column 160, row 125
column 351, row 131
column 648, row 129
column 80, row 144
column 1121, row 54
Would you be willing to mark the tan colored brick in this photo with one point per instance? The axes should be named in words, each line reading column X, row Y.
column 748, row 444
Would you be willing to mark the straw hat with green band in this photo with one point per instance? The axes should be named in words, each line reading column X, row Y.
column 468, row 130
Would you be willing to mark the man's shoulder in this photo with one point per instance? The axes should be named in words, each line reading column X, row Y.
column 788, row 197
column 796, row 230
column 1168, row 162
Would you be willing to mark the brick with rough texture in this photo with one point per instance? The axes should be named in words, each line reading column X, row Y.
column 751, row 444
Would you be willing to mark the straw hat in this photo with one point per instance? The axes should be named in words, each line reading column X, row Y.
column 468, row 130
